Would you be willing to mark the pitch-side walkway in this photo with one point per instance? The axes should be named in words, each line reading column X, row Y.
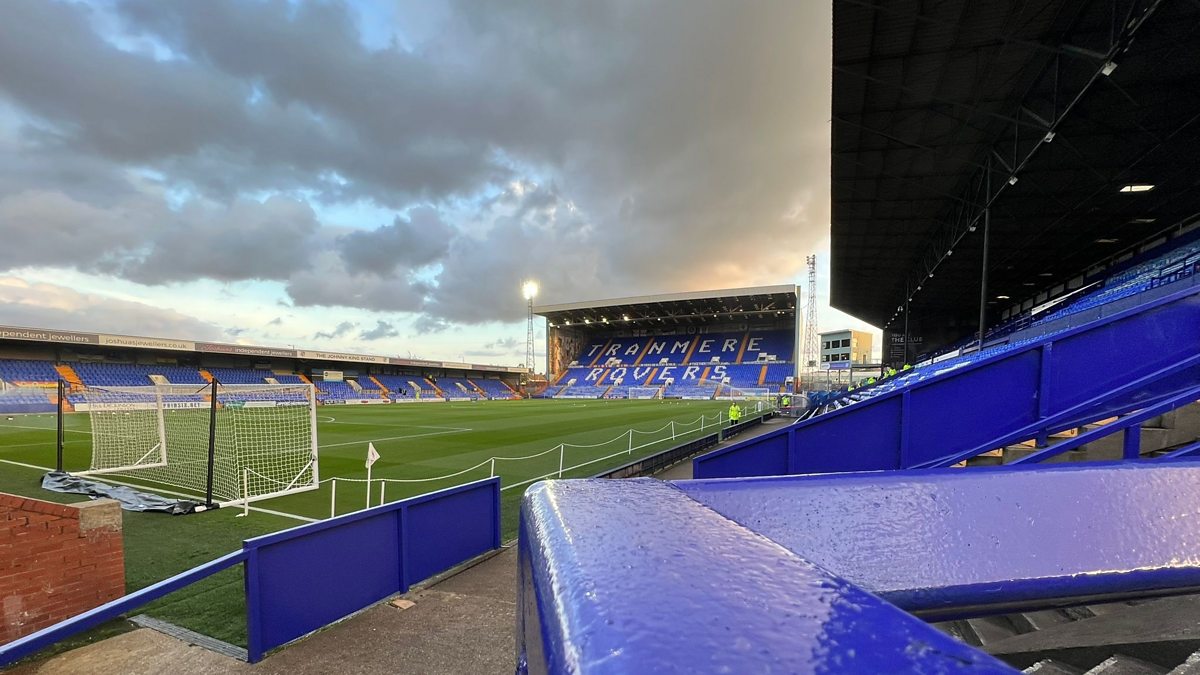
column 461, row 624
column 683, row 470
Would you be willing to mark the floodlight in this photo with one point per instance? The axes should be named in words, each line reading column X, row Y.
column 1137, row 187
column 529, row 289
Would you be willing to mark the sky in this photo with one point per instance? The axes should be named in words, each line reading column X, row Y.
column 380, row 177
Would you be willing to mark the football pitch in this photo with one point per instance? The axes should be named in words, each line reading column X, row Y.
column 422, row 448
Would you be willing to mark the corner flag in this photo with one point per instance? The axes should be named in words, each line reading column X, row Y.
column 372, row 454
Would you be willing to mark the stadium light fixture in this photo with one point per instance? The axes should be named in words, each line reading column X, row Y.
column 1142, row 221
column 1107, row 241
column 624, row 317
column 529, row 289
column 1137, row 187
column 1012, row 180
column 587, row 320
column 1002, row 297
column 1108, row 68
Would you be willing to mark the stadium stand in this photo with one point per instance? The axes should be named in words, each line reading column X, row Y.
column 1126, row 289
column 240, row 375
column 495, row 389
column 287, row 378
column 398, row 387
column 16, row 371
column 689, row 366
column 458, row 387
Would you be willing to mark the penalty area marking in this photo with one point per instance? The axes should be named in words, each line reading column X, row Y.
column 393, row 438
column 18, row 426
column 398, row 426
column 172, row 492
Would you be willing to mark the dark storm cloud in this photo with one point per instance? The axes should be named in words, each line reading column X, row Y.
column 411, row 242
column 605, row 148
column 247, row 240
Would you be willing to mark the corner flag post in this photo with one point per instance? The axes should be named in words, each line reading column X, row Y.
column 372, row 455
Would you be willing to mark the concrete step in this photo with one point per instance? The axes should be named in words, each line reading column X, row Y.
column 1189, row 667
column 993, row 628
column 1120, row 664
column 1046, row 618
column 1015, row 452
column 1052, row 667
column 1111, row 447
column 960, row 630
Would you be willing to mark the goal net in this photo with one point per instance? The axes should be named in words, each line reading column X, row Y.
column 645, row 392
column 733, row 393
column 264, row 440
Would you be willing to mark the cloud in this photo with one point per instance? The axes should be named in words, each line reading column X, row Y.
column 425, row 325
column 607, row 148
column 382, row 329
column 44, row 305
column 408, row 243
column 338, row 331
column 504, row 343
column 277, row 321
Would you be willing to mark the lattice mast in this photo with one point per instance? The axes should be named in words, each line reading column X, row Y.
column 529, row 337
column 811, row 352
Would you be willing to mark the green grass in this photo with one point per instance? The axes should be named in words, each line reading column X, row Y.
column 415, row 441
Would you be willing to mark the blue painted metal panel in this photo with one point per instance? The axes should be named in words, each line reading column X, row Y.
column 979, row 404
column 950, row 543
column 315, row 578
column 634, row 576
column 1090, row 362
column 769, row 457
column 1111, row 365
column 35, row 642
column 463, row 524
column 846, row 443
column 304, row 578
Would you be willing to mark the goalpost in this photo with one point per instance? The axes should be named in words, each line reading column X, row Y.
column 732, row 393
column 223, row 443
column 645, row 392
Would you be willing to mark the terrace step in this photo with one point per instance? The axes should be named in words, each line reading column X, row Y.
column 1120, row 664
column 993, row 628
column 1052, row 667
column 1191, row 666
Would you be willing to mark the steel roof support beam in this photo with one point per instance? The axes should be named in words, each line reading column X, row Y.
column 954, row 230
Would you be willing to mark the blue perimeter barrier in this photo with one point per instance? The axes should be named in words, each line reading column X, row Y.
column 1131, row 360
column 819, row 573
column 302, row 579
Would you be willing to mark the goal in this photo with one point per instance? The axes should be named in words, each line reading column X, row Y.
column 645, row 392
column 732, row 393
column 224, row 443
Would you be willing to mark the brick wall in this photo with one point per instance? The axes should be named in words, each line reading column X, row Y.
column 56, row 561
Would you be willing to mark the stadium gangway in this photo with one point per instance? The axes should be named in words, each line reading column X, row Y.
column 1144, row 357
column 824, row 573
